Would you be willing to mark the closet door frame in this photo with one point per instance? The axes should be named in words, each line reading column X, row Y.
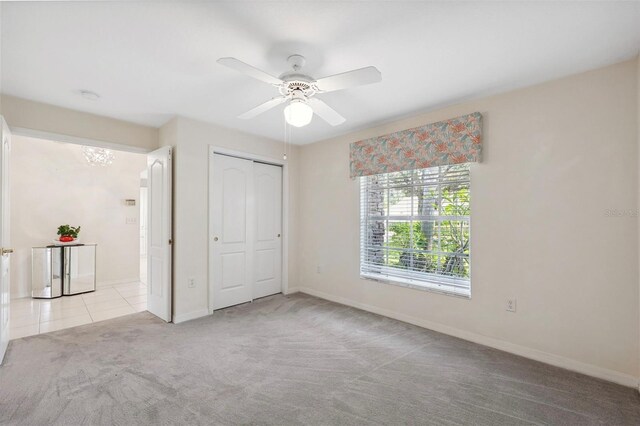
column 285, row 212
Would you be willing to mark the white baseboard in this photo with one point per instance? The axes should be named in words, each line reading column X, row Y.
column 3, row 349
column 190, row 316
column 20, row 296
column 534, row 354
column 292, row 290
column 110, row 283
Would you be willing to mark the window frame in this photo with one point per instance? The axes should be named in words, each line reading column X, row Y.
column 427, row 281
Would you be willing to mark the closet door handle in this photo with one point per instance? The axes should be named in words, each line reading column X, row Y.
column 215, row 238
column 278, row 235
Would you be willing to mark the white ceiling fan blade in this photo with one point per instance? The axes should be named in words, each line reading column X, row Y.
column 249, row 70
column 263, row 108
column 325, row 112
column 349, row 79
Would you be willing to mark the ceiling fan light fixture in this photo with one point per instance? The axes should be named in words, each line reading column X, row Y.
column 299, row 89
column 298, row 113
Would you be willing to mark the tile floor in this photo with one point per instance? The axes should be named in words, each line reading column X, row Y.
column 34, row 316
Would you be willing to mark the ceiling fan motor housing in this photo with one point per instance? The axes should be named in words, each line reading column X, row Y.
column 296, row 88
column 296, row 84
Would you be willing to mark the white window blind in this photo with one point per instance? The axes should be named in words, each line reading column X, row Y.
column 415, row 228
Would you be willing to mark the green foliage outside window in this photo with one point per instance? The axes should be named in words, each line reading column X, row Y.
column 439, row 245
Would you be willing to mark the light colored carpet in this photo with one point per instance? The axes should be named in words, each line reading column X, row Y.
column 289, row 360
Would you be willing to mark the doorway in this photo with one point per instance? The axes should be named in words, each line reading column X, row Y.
column 54, row 183
column 246, row 223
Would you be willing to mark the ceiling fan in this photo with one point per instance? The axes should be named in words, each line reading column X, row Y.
column 299, row 90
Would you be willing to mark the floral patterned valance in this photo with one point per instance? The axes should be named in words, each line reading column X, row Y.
column 454, row 141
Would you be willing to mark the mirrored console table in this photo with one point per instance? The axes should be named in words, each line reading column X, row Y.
column 58, row 270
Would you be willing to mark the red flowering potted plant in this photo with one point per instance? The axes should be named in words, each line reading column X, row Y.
column 68, row 233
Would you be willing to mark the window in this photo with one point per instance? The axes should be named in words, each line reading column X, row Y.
column 415, row 228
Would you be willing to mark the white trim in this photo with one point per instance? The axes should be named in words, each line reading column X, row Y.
column 285, row 213
column 534, row 354
column 432, row 286
column 291, row 291
column 57, row 137
column 177, row 319
column 22, row 295
column 5, row 344
column 110, row 283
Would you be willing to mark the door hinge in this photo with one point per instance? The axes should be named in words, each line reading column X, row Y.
column 170, row 241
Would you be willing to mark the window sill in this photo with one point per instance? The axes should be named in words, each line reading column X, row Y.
column 434, row 287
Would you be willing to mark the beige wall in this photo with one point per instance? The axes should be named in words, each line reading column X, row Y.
column 51, row 184
column 191, row 140
column 557, row 156
column 47, row 119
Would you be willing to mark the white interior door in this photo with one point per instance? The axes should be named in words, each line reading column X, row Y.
column 5, row 139
column 268, row 236
column 159, row 233
column 232, row 227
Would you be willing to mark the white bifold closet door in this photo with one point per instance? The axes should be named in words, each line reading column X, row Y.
column 247, row 230
column 267, row 267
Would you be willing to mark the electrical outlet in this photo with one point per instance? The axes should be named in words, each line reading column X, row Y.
column 511, row 304
column 320, row 269
column 131, row 220
column 192, row 282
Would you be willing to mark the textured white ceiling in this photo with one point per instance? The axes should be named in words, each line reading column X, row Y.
column 151, row 61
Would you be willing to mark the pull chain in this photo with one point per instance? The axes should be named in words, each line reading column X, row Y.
column 287, row 139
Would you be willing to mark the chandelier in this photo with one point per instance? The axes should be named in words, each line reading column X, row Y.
column 97, row 156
